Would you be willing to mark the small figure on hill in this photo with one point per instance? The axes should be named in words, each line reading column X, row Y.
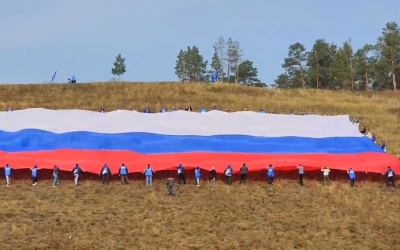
column 105, row 173
column 271, row 174
column 212, row 176
column 173, row 109
column 203, row 110
column 147, row 110
column 383, row 146
column 73, row 79
column 352, row 176
column 197, row 175
column 123, row 173
column 245, row 109
column 9, row 109
column 304, row 113
column 163, row 110
column 228, row 175
column 214, row 108
column 56, row 176
column 301, row 174
column 363, row 130
column 170, row 186
column 325, row 173
column 7, row 173
column 243, row 174
column 190, row 109
column 261, row 111
column 148, row 172
column 181, row 174
column 373, row 138
column 34, row 175
column 102, row 110
column 390, row 177
column 292, row 113
column 76, row 171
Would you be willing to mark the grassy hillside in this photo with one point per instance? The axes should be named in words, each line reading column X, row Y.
column 378, row 111
column 255, row 216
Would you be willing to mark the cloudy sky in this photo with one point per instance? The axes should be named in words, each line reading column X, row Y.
column 82, row 37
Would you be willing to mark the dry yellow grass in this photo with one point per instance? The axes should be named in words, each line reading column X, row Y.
column 257, row 216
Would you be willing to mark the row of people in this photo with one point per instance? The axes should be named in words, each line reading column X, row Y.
column 123, row 172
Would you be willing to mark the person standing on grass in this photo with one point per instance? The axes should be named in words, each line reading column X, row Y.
column 352, row 176
column 76, row 171
column 34, row 175
column 213, row 176
column 149, row 175
column 181, row 174
column 170, row 186
column 390, row 177
column 271, row 174
column 325, row 173
column 7, row 174
column 123, row 172
column 56, row 176
column 197, row 175
column 243, row 174
column 228, row 175
column 301, row 174
column 105, row 173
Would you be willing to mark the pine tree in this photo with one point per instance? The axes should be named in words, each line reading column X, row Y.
column 119, row 67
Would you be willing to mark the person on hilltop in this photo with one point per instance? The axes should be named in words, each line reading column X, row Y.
column 7, row 173
column 56, row 176
column 181, row 174
column 271, row 174
column 197, row 175
column 9, row 109
column 383, row 146
column 203, row 110
column 228, row 175
column 123, row 172
column 147, row 110
column 352, row 176
column 76, row 171
column 390, row 177
column 34, row 175
column 105, row 173
column 325, row 173
column 73, row 79
column 243, row 174
column 148, row 172
column 163, row 110
column 212, row 176
column 301, row 174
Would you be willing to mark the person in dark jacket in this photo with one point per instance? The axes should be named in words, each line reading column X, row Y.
column 123, row 172
column 301, row 174
column 213, row 176
column 105, row 173
column 390, row 177
column 181, row 174
column 170, row 186
column 243, row 174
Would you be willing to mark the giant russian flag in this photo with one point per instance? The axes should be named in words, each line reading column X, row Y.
column 65, row 137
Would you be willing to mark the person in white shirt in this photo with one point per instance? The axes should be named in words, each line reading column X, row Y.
column 325, row 173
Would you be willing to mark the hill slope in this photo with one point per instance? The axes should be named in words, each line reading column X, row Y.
column 378, row 111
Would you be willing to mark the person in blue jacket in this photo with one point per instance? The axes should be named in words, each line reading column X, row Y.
column 181, row 174
column 123, row 172
column 390, row 177
column 34, row 175
column 76, row 171
column 203, row 110
column 271, row 174
column 105, row 173
column 197, row 175
column 56, row 176
column 352, row 176
column 7, row 174
column 148, row 172
column 228, row 174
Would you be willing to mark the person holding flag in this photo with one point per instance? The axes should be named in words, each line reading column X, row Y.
column 352, row 176
column 197, row 175
column 34, row 175
column 390, row 177
column 149, row 175
column 105, row 173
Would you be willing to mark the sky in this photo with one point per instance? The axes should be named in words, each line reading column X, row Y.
column 83, row 37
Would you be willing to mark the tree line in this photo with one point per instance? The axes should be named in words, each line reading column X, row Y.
column 227, row 61
column 329, row 66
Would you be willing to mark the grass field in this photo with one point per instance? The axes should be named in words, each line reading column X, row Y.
column 256, row 216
